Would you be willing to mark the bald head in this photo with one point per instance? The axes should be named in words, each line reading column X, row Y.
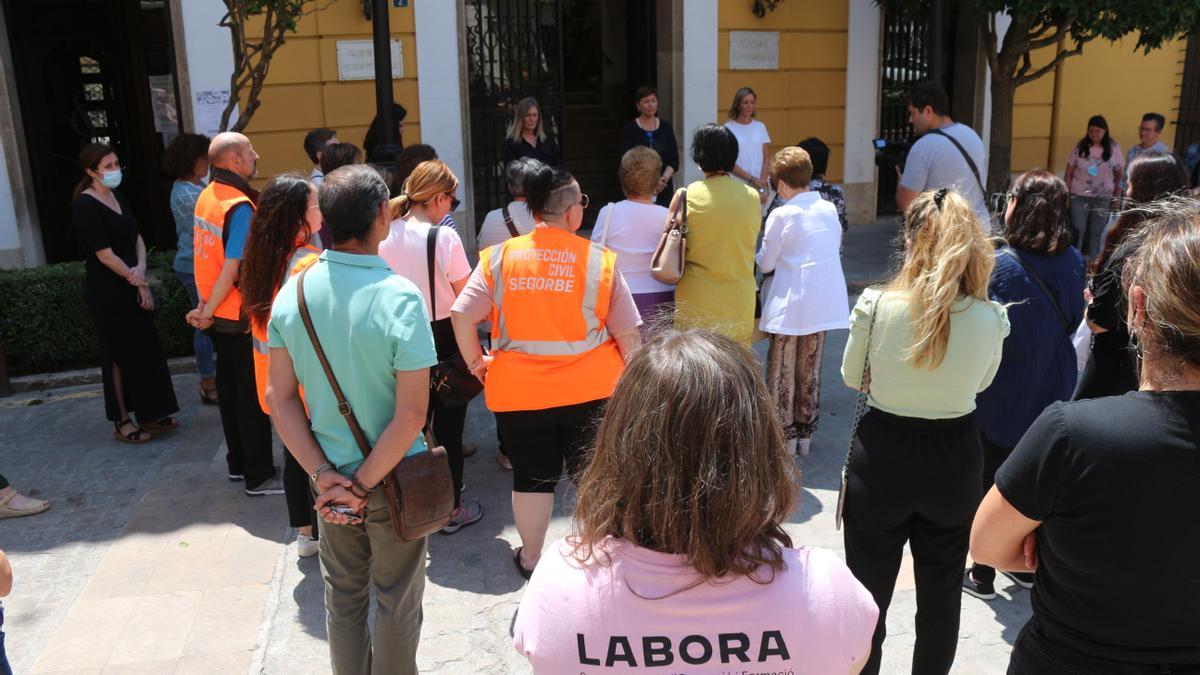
column 232, row 151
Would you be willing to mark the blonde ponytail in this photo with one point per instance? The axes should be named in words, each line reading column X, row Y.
column 948, row 256
column 428, row 180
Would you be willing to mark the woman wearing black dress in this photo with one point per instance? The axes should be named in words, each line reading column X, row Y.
column 1110, row 370
column 136, row 378
column 527, row 136
column 652, row 131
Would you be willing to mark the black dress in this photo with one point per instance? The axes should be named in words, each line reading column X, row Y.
column 124, row 331
column 661, row 140
column 547, row 151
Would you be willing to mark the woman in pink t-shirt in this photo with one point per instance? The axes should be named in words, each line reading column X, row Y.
column 1093, row 178
column 679, row 561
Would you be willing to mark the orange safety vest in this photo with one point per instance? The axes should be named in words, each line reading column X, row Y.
column 301, row 260
column 208, row 231
column 550, row 292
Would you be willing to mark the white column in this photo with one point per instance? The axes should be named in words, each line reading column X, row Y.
column 862, row 109
column 209, row 58
column 10, row 236
column 699, row 105
column 439, row 94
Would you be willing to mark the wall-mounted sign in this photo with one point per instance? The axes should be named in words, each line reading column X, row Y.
column 356, row 60
column 753, row 50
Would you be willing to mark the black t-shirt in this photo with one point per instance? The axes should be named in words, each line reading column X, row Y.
column 99, row 227
column 1116, row 484
column 1112, row 370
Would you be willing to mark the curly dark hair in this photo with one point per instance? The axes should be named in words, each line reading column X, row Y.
column 1039, row 218
column 180, row 157
column 279, row 223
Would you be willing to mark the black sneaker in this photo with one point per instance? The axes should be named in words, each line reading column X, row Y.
column 236, row 478
column 1022, row 579
column 983, row 591
column 271, row 486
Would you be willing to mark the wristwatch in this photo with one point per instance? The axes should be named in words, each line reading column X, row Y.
column 320, row 469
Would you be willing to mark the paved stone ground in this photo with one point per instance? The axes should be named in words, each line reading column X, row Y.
column 150, row 561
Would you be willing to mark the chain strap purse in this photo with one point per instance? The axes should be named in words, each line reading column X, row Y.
column 419, row 491
column 860, row 408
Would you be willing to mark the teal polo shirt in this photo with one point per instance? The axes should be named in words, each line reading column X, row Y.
column 371, row 324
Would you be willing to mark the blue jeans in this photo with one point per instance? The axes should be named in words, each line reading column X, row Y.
column 4, row 667
column 201, row 343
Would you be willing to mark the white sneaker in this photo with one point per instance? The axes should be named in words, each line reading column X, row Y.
column 306, row 545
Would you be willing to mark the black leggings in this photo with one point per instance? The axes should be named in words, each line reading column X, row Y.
column 448, row 421
column 916, row 481
column 539, row 442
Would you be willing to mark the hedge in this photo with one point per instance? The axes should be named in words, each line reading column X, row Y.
column 45, row 325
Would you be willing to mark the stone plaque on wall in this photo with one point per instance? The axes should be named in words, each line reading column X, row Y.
column 356, row 60
column 753, row 50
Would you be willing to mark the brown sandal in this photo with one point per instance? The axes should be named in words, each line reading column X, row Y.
column 137, row 436
column 167, row 423
column 208, row 395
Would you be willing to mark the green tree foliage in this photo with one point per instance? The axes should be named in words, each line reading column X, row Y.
column 1064, row 25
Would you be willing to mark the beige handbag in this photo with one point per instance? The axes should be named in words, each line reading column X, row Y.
column 666, row 266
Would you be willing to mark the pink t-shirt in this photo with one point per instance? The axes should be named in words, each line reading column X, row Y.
column 1091, row 176
column 814, row 617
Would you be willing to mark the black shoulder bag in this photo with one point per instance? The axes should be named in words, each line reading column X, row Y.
column 970, row 162
column 449, row 380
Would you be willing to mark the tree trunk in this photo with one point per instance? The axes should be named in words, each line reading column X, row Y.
column 1000, row 146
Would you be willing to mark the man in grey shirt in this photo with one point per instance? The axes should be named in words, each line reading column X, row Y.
column 1148, row 133
column 935, row 161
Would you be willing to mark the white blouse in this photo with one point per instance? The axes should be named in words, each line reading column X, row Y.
column 807, row 294
column 633, row 231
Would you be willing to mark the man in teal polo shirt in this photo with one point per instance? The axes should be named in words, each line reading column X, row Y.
column 375, row 332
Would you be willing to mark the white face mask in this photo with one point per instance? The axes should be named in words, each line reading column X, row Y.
column 110, row 179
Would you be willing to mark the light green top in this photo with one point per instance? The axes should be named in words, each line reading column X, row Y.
column 371, row 323
column 977, row 332
column 717, row 289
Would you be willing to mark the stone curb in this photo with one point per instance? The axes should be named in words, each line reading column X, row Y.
column 73, row 378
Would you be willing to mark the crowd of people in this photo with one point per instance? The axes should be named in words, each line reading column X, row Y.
column 980, row 433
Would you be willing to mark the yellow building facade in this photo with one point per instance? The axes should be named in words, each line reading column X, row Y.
column 303, row 90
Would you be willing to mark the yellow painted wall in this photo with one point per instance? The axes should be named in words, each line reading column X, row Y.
column 807, row 95
column 303, row 91
column 1109, row 79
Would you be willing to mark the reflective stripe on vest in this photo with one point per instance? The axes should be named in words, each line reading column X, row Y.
column 207, row 227
column 597, row 333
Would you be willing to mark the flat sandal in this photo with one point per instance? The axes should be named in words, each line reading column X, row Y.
column 136, row 437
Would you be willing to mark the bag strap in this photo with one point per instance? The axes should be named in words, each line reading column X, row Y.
column 508, row 222
column 430, row 259
column 343, row 406
column 678, row 218
column 970, row 162
column 860, row 405
column 607, row 223
column 1037, row 280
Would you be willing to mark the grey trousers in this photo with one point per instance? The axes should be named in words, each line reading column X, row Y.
column 1089, row 216
column 353, row 557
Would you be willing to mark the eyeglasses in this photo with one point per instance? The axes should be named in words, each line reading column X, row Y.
column 454, row 202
